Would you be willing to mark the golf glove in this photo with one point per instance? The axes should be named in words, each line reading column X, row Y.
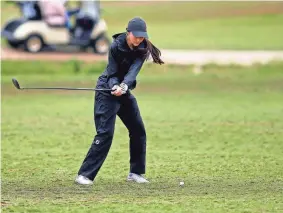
column 124, row 88
column 115, row 87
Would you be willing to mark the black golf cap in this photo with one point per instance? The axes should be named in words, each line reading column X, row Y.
column 138, row 27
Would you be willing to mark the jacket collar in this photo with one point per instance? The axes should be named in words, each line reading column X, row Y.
column 120, row 39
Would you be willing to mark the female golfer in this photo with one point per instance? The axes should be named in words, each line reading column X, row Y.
column 127, row 54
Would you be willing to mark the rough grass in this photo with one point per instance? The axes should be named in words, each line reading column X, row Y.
column 196, row 25
column 220, row 132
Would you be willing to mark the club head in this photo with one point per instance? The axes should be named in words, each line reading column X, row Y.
column 16, row 83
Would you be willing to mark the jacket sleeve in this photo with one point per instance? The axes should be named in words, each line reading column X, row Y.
column 130, row 77
column 112, row 68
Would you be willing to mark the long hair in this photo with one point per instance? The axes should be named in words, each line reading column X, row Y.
column 154, row 52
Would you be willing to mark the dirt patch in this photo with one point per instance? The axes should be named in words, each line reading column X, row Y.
column 5, row 204
column 169, row 56
column 50, row 56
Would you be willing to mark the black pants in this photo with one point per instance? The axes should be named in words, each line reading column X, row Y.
column 106, row 108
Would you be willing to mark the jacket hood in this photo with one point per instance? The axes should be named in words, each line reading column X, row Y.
column 120, row 39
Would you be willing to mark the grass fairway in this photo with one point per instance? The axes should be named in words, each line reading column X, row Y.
column 196, row 25
column 220, row 132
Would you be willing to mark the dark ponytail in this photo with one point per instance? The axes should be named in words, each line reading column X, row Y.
column 155, row 52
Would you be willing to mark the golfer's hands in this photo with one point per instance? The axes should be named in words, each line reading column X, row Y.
column 117, row 91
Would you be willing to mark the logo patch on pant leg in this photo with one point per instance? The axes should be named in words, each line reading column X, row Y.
column 97, row 142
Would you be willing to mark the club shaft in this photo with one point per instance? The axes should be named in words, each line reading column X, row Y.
column 65, row 88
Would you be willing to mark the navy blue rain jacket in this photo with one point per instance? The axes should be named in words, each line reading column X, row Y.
column 124, row 63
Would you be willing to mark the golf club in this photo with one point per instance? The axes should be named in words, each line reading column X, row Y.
column 17, row 85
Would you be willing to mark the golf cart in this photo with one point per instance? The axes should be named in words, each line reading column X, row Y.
column 35, row 34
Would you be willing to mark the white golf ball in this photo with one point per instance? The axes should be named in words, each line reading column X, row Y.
column 182, row 183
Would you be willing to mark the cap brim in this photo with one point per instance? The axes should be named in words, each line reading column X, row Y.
column 140, row 34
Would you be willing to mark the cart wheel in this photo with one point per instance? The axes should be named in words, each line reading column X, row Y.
column 101, row 45
column 33, row 44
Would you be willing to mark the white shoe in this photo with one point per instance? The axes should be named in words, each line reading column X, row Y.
column 137, row 178
column 83, row 180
